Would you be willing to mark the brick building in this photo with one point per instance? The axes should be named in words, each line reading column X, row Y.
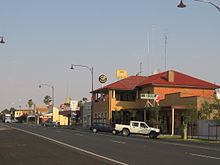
column 121, row 102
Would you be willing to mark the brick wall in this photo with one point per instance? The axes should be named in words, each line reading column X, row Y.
column 185, row 92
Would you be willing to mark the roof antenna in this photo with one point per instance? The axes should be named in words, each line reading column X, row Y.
column 165, row 51
column 140, row 72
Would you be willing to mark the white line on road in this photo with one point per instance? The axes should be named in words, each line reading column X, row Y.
column 186, row 145
column 77, row 134
column 73, row 147
column 204, row 156
column 118, row 142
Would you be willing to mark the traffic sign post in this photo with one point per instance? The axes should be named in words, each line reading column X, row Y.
column 147, row 96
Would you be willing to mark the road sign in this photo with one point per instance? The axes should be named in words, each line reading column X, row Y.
column 73, row 114
column 148, row 96
column 121, row 73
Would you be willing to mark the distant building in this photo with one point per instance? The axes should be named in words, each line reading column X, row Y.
column 19, row 113
column 68, row 114
column 86, row 110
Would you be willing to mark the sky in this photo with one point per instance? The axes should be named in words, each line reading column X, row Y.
column 44, row 37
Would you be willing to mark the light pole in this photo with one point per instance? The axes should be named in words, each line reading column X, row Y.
column 84, row 66
column 1, row 40
column 182, row 5
column 91, row 71
column 52, row 87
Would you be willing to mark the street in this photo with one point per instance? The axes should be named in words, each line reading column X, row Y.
column 50, row 145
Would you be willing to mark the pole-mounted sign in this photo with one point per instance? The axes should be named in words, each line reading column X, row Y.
column 154, row 97
column 102, row 78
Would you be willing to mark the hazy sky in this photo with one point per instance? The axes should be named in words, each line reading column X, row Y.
column 44, row 37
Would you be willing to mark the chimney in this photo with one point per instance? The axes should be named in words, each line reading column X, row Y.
column 170, row 76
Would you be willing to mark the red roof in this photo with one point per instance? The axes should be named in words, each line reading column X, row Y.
column 180, row 79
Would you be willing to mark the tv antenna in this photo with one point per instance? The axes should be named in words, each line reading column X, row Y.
column 165, row 51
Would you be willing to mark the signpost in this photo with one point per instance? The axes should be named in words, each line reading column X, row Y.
column 102, row 78
column 148, row 96
column 154, row 97
column 121, row 73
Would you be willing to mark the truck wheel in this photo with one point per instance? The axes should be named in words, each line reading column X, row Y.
column 125, row 132
column 114, row 132
column 152, row 135
column 94, row 130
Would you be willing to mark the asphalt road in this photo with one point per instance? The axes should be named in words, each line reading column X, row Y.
column 89, row 148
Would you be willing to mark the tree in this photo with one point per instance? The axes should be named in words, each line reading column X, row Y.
column 192, row 116
column 206, row 110
column 12, row 111
column 154, row 115
column 47, row 100
column 30, row 103
column 216, row 109
column 5, row 111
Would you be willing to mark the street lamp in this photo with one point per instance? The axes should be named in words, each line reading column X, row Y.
column 1, row 40
column 182, row 5
column 91, row 71
column 84, row 66
column 52, row 87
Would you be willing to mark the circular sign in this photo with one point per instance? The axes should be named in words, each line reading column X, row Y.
column 102, row 78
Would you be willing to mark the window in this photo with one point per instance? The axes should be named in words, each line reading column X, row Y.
column 142, row 125
column 135, row 124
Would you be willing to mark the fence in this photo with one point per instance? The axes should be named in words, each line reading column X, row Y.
column 204, row 129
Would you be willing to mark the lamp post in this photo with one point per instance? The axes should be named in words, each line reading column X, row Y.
column 52, row 87
column 91, row 71
column 182, row 5
column 1, row 40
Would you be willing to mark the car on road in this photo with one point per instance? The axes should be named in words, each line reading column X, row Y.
column 50, row 123
column 102, row 127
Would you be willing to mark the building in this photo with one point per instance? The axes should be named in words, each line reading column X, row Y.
column 57, row 117
column 86, row 111
column 68, row 114
column 19, row 113
column 41, row 113
column 121, row 101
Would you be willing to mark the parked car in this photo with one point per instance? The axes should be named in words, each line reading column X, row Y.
column 50, row 123
column 137, row 127
column 102, row 127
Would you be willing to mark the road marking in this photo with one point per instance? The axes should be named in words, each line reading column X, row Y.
column 157, row 141
column 204, row 156
column 186, row 145
column 77, row 134
column 118, row 142
column 73, row 147
column 3, row 129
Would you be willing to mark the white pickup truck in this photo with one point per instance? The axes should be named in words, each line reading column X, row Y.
column 137, row 127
